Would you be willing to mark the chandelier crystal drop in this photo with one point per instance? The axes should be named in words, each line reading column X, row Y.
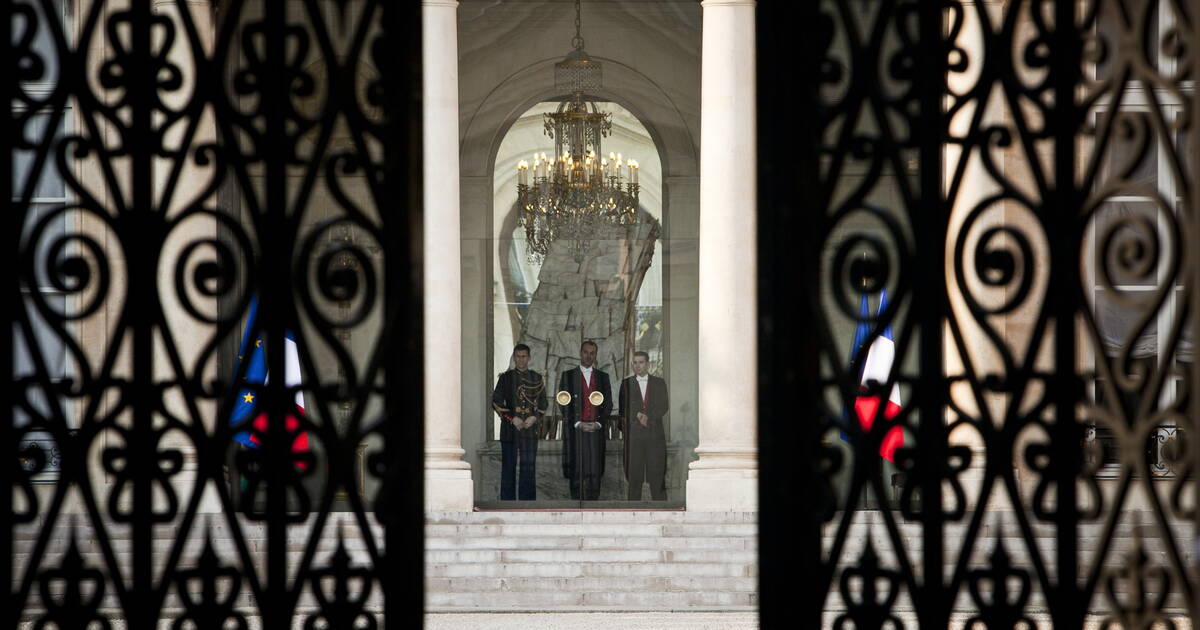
column 577, row 192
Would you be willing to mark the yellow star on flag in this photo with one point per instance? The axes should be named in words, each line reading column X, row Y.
column 248, row 398
column 258, row 343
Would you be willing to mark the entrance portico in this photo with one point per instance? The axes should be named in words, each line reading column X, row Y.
column 706, row 249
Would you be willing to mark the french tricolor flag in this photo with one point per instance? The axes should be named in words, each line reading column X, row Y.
column 253, row 352
column 878, row 366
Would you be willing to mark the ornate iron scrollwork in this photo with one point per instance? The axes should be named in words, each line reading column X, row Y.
column 1017, row 176
column 213, row 606
column 1138, row 592
column 869, row 591
column 206, row 152
column 1001, row 592
column 72, row 593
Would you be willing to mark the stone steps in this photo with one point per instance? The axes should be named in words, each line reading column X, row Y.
column 636, row 560
column 589, row 542
column 592, row 620
column 595, row 600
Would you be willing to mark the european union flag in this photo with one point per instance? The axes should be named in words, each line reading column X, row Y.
column 253, row 351
column 250, row 351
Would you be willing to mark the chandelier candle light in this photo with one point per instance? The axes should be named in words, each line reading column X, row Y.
column 577, row 191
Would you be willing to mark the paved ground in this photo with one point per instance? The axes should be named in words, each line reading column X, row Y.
column 593, row 621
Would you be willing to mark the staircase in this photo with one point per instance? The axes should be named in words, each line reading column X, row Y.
column 576, row 561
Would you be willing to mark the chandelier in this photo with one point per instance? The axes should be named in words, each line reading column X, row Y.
column 577, row 191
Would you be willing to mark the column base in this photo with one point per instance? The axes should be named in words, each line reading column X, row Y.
column 717, row 490
column 449, row 490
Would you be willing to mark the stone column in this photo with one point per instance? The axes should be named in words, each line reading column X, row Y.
column 725, row 476
column 447, row 477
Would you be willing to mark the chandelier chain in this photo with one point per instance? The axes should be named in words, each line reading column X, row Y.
column 577, row 41
column 576, row 194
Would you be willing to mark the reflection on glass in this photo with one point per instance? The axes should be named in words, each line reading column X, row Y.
column 1115, row 26
column 519, row 400
column 586, row 419
column 1120, row 324
column 1126, row 242
column 604, row 303
column 1132, row 154
column 643, row 404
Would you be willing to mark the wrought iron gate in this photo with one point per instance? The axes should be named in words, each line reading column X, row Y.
column 1016, row 176
column 174, row 162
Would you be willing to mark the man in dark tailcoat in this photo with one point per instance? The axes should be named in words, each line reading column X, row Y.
column 585, row 401
column 520, row 401
column 643, row 401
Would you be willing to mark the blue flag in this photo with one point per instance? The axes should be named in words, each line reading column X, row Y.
column 251, row 351
column 861, row 332
column 887, row 333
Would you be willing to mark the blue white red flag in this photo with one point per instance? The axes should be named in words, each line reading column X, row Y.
column 878, row 367
column 861, row 332
column 253, row 351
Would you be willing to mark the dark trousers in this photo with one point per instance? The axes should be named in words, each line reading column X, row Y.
column 524, row 448
column 588, row 464
column 591, row 488
column 647, row 462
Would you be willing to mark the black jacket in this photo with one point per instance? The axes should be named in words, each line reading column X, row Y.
column 629, row 395
column 571, row 382
column 518, row 394
column 590, row 445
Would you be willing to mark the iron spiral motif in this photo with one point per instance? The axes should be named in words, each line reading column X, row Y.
column 1017, row 177
column 212, row 156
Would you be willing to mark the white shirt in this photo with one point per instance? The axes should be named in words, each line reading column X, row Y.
column 587, row 378
column 642, row 381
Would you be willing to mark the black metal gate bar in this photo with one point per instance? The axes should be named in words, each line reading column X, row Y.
column 277, row 281
column 8, row 313
column 929, row 219
column 402, row 508
column 1060, row 215
column 793, row 500
column 1191, row 32
column 146, row 229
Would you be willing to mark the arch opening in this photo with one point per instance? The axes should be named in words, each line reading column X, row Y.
column 614, row 296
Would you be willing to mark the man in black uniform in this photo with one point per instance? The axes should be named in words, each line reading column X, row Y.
column 643, row 400
column 585, row 409
column 520, row 400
